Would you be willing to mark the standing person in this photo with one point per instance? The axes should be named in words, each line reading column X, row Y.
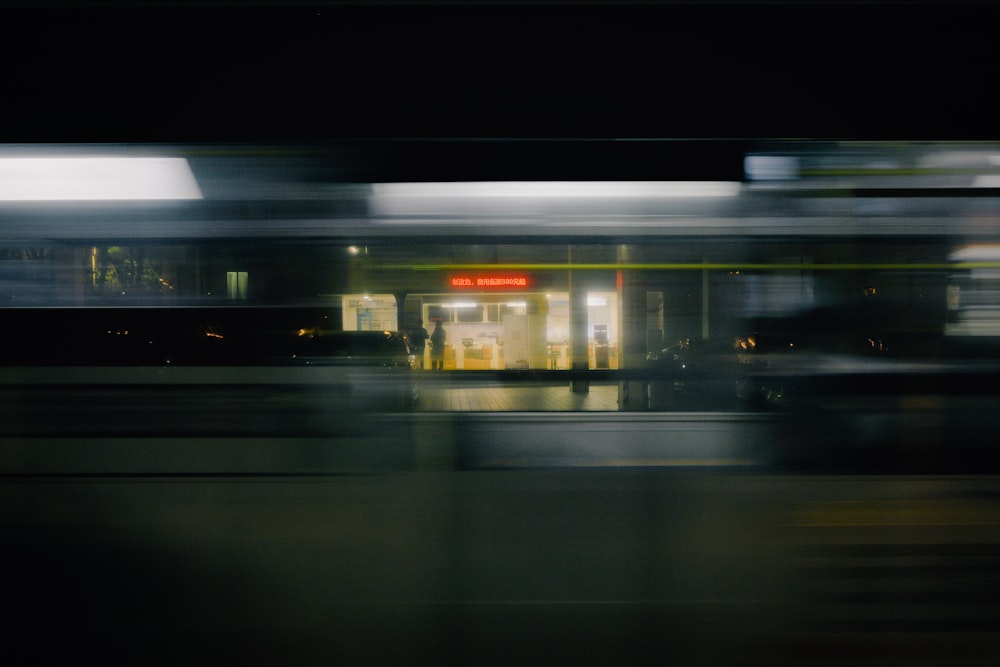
column 418, row 340
column 437, row 346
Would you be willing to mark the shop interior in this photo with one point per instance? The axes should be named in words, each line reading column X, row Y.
column 497, row 331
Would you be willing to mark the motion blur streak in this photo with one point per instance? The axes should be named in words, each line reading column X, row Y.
column 100, row 178
column 919, row 512
column 585, row 566
column 756, row 429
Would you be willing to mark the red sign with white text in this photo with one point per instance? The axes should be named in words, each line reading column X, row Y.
column 490, row 281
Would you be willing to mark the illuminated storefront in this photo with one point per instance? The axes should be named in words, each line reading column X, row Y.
column 519, row 331
column 500, row 321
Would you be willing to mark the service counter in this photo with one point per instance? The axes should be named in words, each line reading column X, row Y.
column 478, row 357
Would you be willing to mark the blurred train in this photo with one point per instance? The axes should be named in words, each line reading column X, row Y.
column 850, row 287
column 703, row 401
column 180, row 416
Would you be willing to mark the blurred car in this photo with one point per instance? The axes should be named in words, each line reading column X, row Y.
column 863, row 387
column 387, row 349
column 377, row 366
column 694, row 375
column 762, row 356
column 784, row 356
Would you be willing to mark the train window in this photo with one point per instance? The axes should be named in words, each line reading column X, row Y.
column 705, row 397
column 610, row 289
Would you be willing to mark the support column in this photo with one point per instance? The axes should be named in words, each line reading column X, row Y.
column 538, row 312
column 578, row 330
column 704, row 303
column 401, row 323
column 631, row 334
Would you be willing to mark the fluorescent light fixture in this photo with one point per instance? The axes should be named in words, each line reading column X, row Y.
column 559, row 189
column 461, row 304
column 984, row 252
column 596, row 301
column 771, row 167
column 96, row 179
column 958, row 159
column 986, row 181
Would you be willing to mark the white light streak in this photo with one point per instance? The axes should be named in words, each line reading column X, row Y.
column 559, row 189
column 986, row 181
column 52, row 178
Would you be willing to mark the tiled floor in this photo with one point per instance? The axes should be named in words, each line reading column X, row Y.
column 444, row 397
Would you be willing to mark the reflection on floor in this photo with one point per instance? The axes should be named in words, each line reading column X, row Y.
column 436, row 397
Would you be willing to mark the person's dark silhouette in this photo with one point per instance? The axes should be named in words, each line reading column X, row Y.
column 418, row 341
column 437, row 346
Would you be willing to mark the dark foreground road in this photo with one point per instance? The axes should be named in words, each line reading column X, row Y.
column 600, row 566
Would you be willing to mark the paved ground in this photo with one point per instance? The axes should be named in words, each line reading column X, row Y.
column 595, row 567
column 440, row 397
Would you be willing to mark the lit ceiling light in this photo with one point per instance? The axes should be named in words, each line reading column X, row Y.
column 980, row 252
column 560, row 189
column 771, row 167
column 112, row 178
column 986, row 181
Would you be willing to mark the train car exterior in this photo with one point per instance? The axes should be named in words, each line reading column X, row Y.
column 860, row 258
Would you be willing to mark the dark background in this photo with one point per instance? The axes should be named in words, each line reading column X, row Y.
column 505, row 567
column 230, row 71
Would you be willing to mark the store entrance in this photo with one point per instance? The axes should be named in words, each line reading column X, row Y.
column 516, row 331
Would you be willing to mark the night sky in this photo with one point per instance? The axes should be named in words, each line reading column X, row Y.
column 269, row 71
